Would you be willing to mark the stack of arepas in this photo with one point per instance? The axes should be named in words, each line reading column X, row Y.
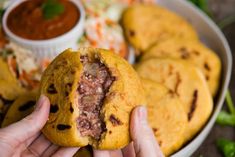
column 10, row 88
column 180, row 74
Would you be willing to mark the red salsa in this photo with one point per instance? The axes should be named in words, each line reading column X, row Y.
column 27, row 20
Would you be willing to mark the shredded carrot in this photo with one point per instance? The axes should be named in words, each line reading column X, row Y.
column 109, row 22
column 112, row 49
column 123, row 51
column 27, row 78
column 92, row 42
column 45, row 63
column 12, row 65
column 90, row 12
column 98, row 28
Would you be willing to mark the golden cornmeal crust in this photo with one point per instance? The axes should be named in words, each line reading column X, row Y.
column 125, row 93
column 83, row 152
column 166, row 116
column 10, row 90
column 188, row 82
column 148, row 24
column 194, row 52
column 21, row 107
column 10, row 87
column 6, row 73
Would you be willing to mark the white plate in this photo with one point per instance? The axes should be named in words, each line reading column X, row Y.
column 211, row 35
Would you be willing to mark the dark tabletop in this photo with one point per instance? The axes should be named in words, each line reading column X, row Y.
column 221, row 9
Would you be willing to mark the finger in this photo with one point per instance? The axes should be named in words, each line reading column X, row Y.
column 129, row 150
column 110, row 153
column 37, row 147
column 31, row 139
column 115, row 153
column 65, row 152
column 26, row 128
column 101, row 153
column 30, row 125
column 25, row 145
column 142, row 135
column 51, row 150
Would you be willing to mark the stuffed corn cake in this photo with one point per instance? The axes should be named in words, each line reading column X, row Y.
column 188, row 82
column 10, row 88
column 148, row 24
column 5, row 72
column 92, row 93
column 23, row 106
column 20, row 108
column 193, row 52
column 166, row 116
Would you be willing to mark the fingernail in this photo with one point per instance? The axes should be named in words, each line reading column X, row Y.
column 40, row 102
column 142, row 114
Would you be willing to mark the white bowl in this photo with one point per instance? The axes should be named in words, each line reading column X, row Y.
column 48, row 48
column 211, row 35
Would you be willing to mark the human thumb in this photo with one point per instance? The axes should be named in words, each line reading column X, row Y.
column 18, row 132
column 142, row 135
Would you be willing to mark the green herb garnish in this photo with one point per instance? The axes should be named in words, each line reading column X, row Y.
column 226, row 22
column 203, row 5
column 227, row 147
column 230, row 104
column 52, row 8
column 225, row 118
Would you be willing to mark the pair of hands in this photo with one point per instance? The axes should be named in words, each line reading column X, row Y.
column 24, row 139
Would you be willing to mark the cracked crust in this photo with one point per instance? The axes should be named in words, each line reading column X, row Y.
column 124, row 94
column 193, row 52
column 166, row 116
column 192, row 89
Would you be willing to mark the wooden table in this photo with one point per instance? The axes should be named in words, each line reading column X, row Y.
column 221, row 9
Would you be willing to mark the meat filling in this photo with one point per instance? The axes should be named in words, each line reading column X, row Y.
column 93, row 86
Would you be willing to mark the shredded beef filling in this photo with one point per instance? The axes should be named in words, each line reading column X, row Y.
column 93, row 86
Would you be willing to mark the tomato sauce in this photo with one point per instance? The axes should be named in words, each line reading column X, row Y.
column 27, row 20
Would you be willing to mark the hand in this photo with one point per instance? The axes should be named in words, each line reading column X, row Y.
column 144, row 143
column 24, row 138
